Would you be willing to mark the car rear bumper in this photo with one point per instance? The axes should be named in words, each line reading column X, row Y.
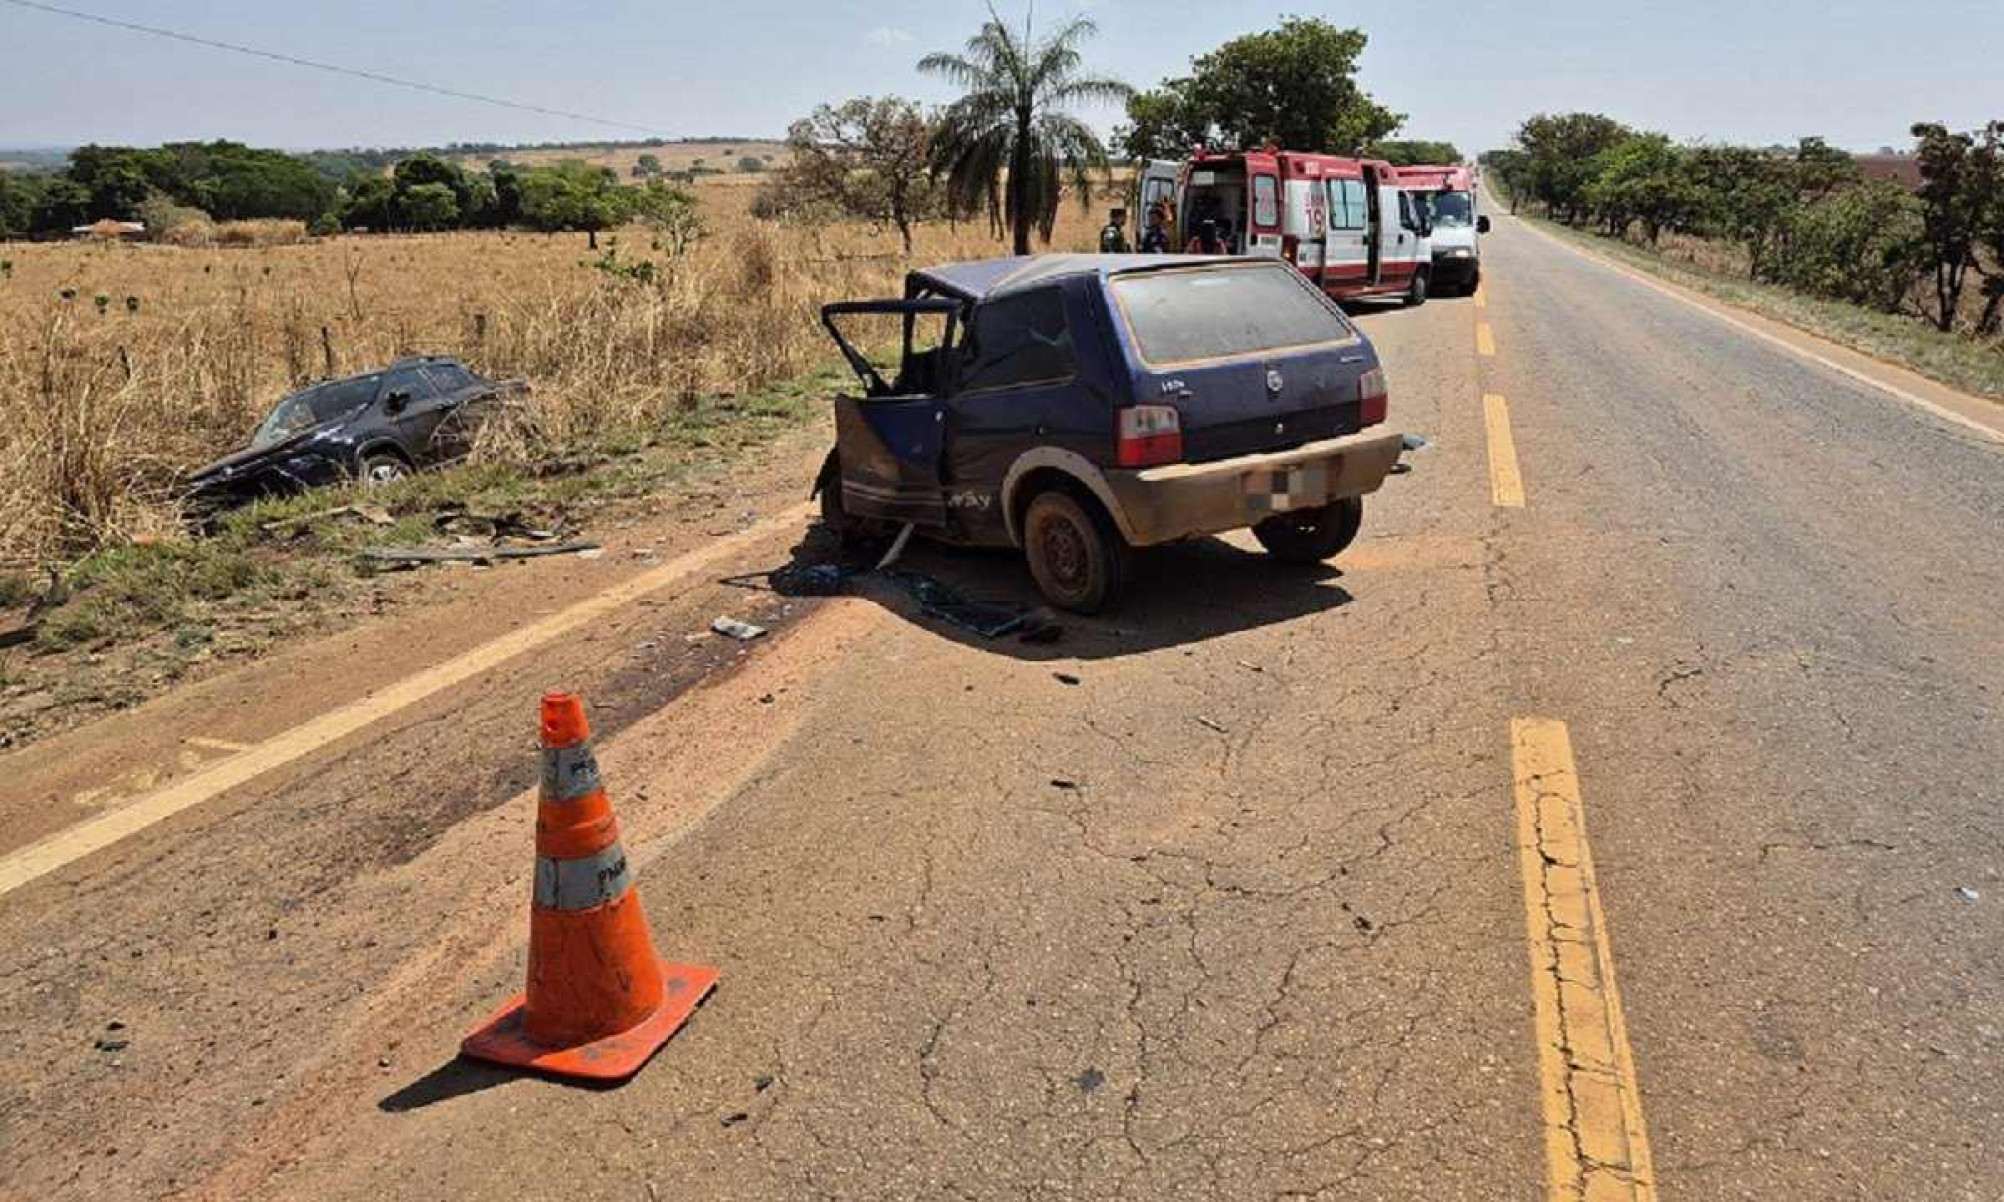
column 1178, row 500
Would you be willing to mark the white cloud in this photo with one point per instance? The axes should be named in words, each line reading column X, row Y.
column 885, row 35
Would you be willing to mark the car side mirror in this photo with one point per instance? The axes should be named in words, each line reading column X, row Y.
column 394, row 403
column 1482, row 224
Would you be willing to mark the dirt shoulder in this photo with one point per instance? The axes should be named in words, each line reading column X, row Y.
column 362, row 634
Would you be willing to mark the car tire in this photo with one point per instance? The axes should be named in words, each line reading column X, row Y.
column 1076, row 555
column 1312, row 535
column 383, row 467
column 835, row 519
column 1416, row 291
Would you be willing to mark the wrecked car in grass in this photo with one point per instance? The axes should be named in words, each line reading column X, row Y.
column 374, row 427
column 1082, row 406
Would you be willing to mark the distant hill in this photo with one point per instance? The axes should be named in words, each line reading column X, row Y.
column 33, row 158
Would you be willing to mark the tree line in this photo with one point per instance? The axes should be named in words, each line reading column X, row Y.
column 421, row 191
column 1806, row 217
column 1011, row 148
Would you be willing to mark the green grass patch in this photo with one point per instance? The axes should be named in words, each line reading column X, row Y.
column 1957, row 360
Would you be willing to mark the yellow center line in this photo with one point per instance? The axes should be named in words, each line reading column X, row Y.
column 1482, row 296
column 1596, row 1144
column 1506, row 484
column 1485, row 341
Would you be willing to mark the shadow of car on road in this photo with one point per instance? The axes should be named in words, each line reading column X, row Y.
column 1179, row 594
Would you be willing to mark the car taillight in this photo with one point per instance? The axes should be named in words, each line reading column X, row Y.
column 1148, row 435
column 1372, row 397
column 1290, row 248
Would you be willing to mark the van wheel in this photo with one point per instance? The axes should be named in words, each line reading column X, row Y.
column 1311, row 535
column 1416, row 291
column 1077, row 557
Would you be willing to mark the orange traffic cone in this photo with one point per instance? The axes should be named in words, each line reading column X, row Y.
column 600, row 1001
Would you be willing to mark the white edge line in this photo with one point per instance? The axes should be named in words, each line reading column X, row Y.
column 1946, row 414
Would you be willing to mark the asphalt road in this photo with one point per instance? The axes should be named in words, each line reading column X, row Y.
column 1636, row 837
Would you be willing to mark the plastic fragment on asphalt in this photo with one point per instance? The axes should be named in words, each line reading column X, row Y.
column 897, row 546
column 1966, row 893
column 741, row 631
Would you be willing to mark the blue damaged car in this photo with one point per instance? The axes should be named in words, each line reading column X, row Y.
column 1083, row 406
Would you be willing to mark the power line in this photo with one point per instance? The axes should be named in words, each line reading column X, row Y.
column 318, row 66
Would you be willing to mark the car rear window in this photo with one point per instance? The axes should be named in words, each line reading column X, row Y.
column 1214, row 313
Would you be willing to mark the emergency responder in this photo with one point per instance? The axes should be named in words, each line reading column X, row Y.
column 1113, row 238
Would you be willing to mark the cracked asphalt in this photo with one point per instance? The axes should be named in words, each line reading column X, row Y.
column 1236, row 915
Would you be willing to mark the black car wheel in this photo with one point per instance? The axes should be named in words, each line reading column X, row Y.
column 383, row 467
column 1416, row 291
column 1077, row 557
column 1312, row 535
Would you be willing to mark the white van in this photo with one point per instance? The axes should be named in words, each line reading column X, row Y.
column 1457, row 222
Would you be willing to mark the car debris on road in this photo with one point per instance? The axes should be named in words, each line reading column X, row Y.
column 743, row 632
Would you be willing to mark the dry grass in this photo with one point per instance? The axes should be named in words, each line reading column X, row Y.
column 123, row 366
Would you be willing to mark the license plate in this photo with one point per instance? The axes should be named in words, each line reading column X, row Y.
column 1285, row 488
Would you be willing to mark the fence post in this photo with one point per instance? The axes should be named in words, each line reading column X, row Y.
column 327, row 348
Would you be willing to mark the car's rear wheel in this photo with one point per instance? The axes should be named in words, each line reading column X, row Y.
column 1416, row 290
column 1077, row 556
column 383, row 467
column 1312, row 535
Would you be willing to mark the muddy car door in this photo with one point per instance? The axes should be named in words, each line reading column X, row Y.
column 411, row 401
column 463, row 401
column 1020, row 385
column 889, row 440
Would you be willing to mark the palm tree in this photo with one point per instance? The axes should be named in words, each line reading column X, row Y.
column 1011, row 121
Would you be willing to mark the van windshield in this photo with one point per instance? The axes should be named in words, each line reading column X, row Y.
column 1218, row 312
column 1453, row 208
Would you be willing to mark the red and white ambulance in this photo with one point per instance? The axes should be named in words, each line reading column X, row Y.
column 1455, row 223
column 1345, row 223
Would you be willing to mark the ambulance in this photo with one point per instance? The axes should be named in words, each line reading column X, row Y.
column 1450, row 196
column 1347, row 224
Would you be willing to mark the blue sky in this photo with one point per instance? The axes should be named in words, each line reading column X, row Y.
column 1746, row 70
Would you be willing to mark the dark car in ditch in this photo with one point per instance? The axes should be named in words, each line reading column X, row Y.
column 375, row 427
column 1081, row 406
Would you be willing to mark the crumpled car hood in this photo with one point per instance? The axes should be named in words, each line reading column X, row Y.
column 249, row 455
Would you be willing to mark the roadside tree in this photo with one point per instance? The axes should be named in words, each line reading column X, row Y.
column 1406, row 152
column 1959, row 193
column 1561, row 150
column 1162, row 123
column 867, row 159
column 1008, row 143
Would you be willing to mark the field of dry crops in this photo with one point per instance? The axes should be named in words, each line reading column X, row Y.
column 123, row 365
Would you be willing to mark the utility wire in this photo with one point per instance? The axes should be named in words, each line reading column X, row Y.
column 317, row 66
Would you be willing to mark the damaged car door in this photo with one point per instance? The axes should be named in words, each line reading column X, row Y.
column 889, row 440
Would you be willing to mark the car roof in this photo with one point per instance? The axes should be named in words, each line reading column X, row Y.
column 979, row 279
